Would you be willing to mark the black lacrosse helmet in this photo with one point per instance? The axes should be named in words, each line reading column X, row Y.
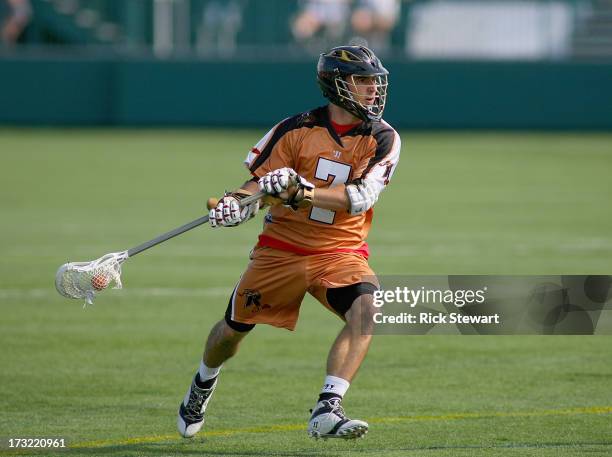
column 343, row 62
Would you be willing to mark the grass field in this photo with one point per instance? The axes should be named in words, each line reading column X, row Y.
column 109, row 379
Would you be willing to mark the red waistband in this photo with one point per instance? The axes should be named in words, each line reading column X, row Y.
column 265, row 240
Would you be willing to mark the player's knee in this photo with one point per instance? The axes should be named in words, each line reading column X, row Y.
column 361, row 313
column 234, row 331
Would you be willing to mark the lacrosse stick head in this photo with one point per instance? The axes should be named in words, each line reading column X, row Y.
column 84, row 279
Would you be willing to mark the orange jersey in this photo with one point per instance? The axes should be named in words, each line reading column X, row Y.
column 309, row 144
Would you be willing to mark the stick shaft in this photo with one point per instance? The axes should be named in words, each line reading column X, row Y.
column 185, row 228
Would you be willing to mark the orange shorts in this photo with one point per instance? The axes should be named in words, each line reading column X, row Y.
column 272, row 288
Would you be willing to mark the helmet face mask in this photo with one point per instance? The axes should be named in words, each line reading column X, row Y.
column 342, row 70
column 372, row 111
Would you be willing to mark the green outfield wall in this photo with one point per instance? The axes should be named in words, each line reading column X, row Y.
column 82, row 91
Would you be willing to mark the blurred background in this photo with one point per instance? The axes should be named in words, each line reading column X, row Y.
column 528, row 64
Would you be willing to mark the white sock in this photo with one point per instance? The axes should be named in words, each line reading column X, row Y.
column 335, row 385
column 207, row 373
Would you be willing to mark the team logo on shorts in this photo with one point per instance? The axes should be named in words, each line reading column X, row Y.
column 253, row 299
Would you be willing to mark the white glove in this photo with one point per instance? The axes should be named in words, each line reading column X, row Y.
column 278, row 181
column 228, row 213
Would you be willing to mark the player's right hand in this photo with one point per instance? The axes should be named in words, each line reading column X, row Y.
column 228, row 213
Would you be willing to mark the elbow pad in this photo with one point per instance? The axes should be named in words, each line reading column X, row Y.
column 362, row 197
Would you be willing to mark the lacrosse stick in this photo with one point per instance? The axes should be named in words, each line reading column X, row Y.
column 84, row 279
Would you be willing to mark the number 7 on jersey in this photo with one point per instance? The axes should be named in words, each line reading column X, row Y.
column 325, row 169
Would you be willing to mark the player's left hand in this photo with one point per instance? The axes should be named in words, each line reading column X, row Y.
column 228, row 213
column 283, row 183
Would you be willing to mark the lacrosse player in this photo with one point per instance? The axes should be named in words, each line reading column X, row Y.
column 323, row 171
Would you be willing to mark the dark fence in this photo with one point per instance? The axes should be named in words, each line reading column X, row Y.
column 512, row 95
